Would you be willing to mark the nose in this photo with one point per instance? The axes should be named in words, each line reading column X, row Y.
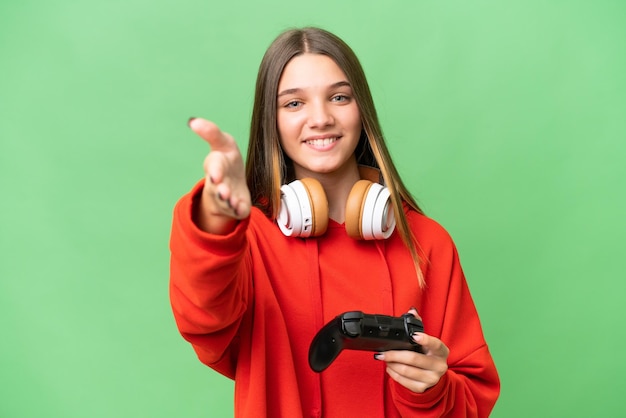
column 320, row 115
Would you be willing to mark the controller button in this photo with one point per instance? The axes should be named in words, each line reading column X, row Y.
column 352, row 328
column 383, row 330
column 353, row 315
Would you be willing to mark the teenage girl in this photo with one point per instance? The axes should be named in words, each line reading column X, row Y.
column 318, row 222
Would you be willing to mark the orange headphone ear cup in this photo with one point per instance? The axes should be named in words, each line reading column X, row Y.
column 319, row 205
column 354, row 208
column 303, row 209
column 369, row 214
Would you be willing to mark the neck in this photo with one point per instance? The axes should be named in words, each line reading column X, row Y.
column 337, row 186
column 337, row 193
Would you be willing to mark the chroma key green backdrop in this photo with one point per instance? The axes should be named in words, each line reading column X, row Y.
column 507, row 119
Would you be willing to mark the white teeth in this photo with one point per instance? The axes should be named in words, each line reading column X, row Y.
column 321, row 142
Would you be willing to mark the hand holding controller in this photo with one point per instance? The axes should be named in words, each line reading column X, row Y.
column 356, row 330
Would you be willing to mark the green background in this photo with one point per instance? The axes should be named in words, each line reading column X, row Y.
column 505, row 118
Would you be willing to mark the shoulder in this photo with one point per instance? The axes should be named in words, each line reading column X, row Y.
column 427, row 231
column 263, row 230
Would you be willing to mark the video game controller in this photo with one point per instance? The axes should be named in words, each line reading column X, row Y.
column 356, row 330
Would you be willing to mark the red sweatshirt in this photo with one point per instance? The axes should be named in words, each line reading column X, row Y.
column 250, row 303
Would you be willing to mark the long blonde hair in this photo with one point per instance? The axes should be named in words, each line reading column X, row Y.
column 267, row 167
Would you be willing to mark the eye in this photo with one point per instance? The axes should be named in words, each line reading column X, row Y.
column 293, row 104
column 340, row 98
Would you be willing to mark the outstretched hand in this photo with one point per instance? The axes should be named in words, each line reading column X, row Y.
column 416, row 371
column 226, row 197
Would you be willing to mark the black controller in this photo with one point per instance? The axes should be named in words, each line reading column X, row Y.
column 356, row 330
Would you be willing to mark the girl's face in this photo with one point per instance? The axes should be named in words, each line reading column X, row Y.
column 318, row 118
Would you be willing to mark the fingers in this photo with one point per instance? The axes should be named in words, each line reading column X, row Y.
column 415, row 382
column 226, row 185
column 412, row 370
column 413, row 311
column 430, row 345
column 216, row 166
column 434, row 353
column 417, row 371
column 230, row 203
column 226, row 198
column 226, row 195
column 211, row 133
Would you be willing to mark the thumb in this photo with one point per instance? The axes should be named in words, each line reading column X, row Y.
column 413, row 311
column 210, row 132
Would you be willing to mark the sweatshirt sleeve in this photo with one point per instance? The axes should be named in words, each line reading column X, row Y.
column 210, row 283
column 471, row 385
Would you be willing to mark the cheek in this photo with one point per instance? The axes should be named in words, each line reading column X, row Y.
column 287, row 135
column 356, row 124
column 289, row 127
column 353, row 117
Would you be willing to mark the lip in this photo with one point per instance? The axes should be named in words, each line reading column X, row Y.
column 321, row 142
column 325, row 136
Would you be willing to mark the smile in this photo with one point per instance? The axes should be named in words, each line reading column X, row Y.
column 321, row 142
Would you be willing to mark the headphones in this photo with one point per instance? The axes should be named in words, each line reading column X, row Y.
column 304, row 210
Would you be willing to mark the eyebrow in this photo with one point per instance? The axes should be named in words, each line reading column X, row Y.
column 296, row 90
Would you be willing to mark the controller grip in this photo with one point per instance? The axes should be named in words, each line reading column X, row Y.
column 326, row 345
